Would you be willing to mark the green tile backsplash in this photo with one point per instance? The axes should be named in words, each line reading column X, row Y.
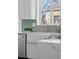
column 28, row 24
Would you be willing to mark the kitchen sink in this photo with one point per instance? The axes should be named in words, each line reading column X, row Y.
column 50, row 41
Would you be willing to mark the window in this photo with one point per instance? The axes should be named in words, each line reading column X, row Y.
column 56, row 19
column 47, row 10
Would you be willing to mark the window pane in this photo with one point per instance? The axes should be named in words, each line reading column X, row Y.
column 46, row 7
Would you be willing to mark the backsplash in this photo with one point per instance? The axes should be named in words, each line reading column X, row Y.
column 29, row 23
column 43, row 28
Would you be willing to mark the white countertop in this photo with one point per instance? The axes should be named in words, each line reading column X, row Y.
column 57, row 41
column 41, row 33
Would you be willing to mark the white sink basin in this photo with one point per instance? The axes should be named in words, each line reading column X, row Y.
column 51, row 40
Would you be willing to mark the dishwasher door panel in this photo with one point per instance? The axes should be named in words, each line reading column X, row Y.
column 21, row 45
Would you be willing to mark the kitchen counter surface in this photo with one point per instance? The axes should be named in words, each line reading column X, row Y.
column 40, row 33
column 56, row 41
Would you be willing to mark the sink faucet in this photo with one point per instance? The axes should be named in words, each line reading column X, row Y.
column 44, row 22
column 48, row 37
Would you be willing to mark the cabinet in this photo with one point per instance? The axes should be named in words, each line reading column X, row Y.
column 31, row 50
column 46, row 51
column 32, row 45
column 37, row 50
column 21, row 45
column 24, row 9
column 42, row 50
column 20, row 9
column 27, row 9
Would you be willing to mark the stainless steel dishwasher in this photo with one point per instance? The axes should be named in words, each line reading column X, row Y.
column 22, row 40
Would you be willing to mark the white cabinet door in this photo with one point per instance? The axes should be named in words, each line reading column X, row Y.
column 21, row 45
column 41, row 50
column 27, row 9
column 20, row 9
column 31, row 50
column 45, row 51
column 31, row 45
column 24, row 9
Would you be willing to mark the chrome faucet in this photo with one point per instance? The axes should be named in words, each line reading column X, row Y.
column 44, row 22
column 48, row 37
